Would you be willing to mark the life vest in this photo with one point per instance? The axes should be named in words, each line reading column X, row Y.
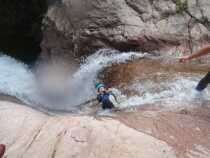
column 105, row 100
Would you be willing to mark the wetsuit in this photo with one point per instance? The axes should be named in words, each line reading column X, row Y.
column 204, row 82
column 104, row 99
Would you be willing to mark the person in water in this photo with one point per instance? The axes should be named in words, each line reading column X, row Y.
column 206, row 80
column 105, row 97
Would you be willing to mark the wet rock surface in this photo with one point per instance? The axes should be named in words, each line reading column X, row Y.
column 157, row 70
column 187, row 131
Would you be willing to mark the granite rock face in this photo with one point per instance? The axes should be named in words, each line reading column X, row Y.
column 28, row 133
column 146, row 133
column 79, row 27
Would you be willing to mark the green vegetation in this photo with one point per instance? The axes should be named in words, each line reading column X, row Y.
column 181, row 5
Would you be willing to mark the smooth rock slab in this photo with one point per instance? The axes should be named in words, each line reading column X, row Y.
column 29, row 133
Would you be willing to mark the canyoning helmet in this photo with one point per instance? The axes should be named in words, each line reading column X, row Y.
column 99, row 85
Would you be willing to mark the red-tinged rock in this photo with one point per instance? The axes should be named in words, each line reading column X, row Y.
column 2, row 150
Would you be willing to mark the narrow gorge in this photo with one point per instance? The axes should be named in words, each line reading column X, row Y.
column 54, row 51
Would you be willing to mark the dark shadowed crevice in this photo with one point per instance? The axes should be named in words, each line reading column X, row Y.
column 20, row 28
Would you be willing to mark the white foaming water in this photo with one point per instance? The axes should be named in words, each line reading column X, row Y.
column 173, row 94
column 82, row 83
column 17, row 80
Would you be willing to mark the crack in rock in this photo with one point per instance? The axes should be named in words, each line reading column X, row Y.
column 34, row 138
column 60, row 137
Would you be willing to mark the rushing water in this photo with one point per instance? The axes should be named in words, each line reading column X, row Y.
column 176, row 93
column 19, row 81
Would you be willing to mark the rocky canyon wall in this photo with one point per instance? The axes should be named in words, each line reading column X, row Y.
column 78, row 27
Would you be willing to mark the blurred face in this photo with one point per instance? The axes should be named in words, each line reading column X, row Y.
column 101, row 90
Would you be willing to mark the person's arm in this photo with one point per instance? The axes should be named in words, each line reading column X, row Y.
column 197, row 54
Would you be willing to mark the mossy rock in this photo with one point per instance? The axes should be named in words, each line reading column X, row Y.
column 181, row 5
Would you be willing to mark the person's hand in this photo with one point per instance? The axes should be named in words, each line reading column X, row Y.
column 184, row 58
